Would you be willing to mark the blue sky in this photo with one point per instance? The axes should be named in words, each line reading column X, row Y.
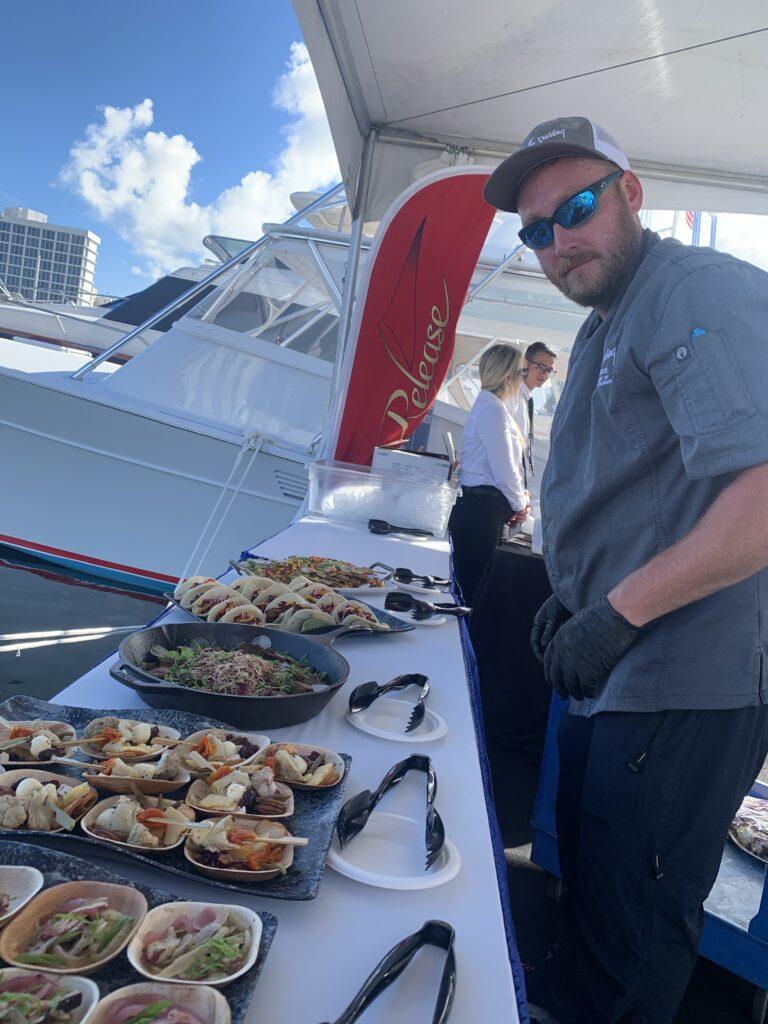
column 155, row 122
column 210, row 70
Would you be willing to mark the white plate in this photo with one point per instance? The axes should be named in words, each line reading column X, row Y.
column 389, row 853
column 387, row 718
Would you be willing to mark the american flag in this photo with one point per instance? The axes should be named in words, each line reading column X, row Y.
column 689, row 215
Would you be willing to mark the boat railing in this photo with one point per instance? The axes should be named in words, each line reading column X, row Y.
column 197, row 289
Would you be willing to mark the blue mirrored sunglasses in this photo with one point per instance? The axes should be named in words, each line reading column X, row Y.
column 574, row 211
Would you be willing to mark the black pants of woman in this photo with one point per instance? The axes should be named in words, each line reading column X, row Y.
column 475, row 528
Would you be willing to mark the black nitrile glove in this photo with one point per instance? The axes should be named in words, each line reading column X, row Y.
column 549, row 618
column 585, row 649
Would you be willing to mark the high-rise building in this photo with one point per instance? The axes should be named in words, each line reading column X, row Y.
column 46, row 262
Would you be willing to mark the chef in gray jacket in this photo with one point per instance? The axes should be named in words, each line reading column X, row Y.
column 655, row 520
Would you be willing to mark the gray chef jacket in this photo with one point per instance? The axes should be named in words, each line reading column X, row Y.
column 665, row 403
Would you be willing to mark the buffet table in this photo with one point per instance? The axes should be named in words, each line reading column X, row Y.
column 325, row 948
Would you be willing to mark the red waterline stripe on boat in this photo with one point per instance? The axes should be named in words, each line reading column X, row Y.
column 85, row 559
column 71, row 582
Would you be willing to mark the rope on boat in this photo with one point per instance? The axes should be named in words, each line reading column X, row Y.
column 253, row 444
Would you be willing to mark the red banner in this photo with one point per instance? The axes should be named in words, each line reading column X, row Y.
column 402, row 334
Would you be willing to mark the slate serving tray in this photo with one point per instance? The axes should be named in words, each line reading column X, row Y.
column 60, row 867
column 395, row 625
column 314, row 816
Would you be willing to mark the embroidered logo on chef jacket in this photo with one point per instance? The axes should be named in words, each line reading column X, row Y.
column 606, row 367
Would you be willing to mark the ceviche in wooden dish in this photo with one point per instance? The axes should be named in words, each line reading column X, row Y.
column 155, row 1002
column 29, row 997
column 197, row 943
column 73, row 928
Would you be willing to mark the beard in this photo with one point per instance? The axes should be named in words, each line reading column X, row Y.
column 614, row 265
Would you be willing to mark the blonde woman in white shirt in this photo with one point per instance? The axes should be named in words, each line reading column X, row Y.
column 491, row 468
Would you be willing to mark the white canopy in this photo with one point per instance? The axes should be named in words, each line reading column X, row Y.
column 682, row 84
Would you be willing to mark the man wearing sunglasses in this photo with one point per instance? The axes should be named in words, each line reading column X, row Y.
column 655, row 521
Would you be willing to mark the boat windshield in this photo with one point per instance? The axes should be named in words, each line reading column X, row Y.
column 288, row 295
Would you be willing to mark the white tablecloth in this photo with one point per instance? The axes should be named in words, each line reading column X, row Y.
column 325, row 948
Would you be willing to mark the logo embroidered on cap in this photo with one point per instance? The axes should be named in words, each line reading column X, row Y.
column 549, row 135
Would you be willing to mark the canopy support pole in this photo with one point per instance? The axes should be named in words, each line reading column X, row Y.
column 353, row 263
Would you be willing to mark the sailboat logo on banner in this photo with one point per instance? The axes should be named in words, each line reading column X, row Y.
column 402, row 336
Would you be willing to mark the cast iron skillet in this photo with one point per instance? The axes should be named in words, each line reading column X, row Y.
column 241, row 712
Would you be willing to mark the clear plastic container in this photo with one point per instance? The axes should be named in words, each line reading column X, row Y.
column 355, row 494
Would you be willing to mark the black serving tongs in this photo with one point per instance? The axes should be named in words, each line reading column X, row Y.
column 399, row 601
column 355, row 813
column 403, row 575
column 364, row 695
column 382, row 526
column 431, row 933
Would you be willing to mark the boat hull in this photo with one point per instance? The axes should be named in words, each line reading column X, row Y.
column 123, row 495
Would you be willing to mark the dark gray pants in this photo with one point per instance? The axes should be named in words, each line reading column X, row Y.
column 643, row 807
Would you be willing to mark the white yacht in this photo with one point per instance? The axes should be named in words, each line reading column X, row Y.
column 118, row 468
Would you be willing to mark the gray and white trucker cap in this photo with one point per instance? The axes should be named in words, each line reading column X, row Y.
column 564, row 136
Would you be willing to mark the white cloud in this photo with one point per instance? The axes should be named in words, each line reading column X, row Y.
column 140, row 180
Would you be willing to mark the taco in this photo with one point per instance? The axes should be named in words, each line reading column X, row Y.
column 189, row 597
column 245, row 615
column 220, row 609
column 304, row 620
column 250, row 586
column 210, row 598
column 193, row 581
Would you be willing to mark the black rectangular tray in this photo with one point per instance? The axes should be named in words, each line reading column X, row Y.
column 395, row 624
column 58, row 867
column 314, row 816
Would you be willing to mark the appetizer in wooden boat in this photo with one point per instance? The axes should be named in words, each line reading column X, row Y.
column 18, row 884
column 42, row 804
column 73, row 928
column 210, row 749
column 153, row 824
column 198, row 943
column 28, row 997
column 32, row 741
column 110, row 737
column 77, row 934
column 229, row 790
column 302, row 764
column 166, row 768
column 158, row 1002
column 230, row 845
column 206, row 667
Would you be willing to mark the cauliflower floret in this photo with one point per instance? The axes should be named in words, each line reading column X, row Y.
column 13, row 814
column 141, row 836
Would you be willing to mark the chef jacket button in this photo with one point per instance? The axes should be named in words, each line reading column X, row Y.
column 682, row 352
